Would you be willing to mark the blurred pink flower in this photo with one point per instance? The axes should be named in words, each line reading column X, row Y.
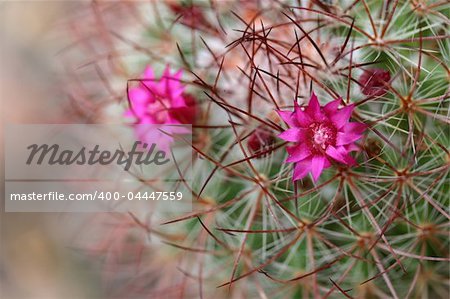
column 320, row 134
column 160, row 105
column 373, row 82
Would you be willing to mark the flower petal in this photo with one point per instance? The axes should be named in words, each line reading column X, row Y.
column 174, row 86
column 352, row 147
column 293, row 135
column 144, row 120
column 346, row 138
column 341, row 117
column 166, row 72
column 301, row 169
column 344, row 152
column 138, row 101
column 317, row 165
column 332, row 107
column 327, row 164
column 288, row 117
column 313, row 106
column 149, row 79
column 148, row 73
column 171, row 88
column 355, row 127
column 298, row 153
column 138, row 95
column 303, row 119
column 335, row 154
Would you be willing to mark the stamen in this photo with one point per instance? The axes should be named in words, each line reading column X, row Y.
column 322, row 134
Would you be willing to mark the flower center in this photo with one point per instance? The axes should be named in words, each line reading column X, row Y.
column 322, row 135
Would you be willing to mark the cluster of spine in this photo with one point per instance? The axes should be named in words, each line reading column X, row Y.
column 377, row 229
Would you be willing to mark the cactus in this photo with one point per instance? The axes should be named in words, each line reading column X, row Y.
column 373, row 228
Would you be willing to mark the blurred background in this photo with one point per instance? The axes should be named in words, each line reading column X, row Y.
column 35, row 259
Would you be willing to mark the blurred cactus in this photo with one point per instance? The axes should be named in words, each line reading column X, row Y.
column 377, row 229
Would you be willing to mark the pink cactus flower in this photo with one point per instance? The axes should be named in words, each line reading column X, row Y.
column 322, row 135
column 373, row 82
column 160, row 104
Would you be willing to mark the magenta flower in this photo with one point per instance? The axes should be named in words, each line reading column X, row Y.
column 160, row 102
column 322, row 135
